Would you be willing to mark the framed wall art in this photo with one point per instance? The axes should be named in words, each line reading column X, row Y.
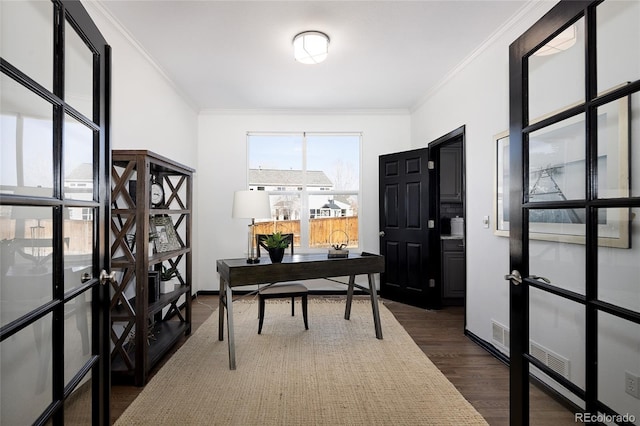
column 557, row 170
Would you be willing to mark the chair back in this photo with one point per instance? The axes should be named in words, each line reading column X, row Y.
column 261, row 241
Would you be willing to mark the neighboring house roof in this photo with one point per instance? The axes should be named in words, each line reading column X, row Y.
column 333, row 204
column 271, row 177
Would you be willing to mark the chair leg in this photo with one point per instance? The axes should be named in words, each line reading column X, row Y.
column 260, row 314
column 293, row 306
column 304, row 312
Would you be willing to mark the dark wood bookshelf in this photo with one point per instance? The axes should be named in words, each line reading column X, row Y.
column 134, row 257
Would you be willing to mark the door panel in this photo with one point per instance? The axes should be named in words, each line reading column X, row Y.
column 573, row 218
column 404, row 209
column 54, row 198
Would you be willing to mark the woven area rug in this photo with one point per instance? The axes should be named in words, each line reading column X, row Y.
column 335, row 373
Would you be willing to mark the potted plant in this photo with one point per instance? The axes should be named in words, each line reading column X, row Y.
column 167, row 276
column 276, row 243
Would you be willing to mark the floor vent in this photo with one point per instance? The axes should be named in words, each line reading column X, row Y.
column 500, row 335
column 557, row 363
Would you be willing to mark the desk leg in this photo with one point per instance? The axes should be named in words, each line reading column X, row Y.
column 230, row 334
column 374, row 306
column 221, row 308
column 347, row 308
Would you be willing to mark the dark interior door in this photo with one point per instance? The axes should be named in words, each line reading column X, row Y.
column 54, row 198
column 574, row 210
column 404, row 227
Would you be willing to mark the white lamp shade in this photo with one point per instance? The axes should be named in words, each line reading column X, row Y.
column 251, row 205
column 311, row 47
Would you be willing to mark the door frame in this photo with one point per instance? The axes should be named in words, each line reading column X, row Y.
column 455, row 135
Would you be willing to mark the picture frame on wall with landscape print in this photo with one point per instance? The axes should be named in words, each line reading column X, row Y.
column 556, row 173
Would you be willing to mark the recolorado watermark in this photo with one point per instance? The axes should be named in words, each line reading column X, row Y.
column 603, row 418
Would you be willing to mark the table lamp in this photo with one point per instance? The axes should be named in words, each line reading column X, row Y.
column 252, row 205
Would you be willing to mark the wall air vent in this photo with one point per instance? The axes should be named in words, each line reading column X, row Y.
column 556, row 362
column 500, row 335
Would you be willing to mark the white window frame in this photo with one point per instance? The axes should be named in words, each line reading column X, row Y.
column 305, row 194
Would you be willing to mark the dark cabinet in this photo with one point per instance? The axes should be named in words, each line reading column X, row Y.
column 151, row 240
column 451, row 173
column 453, row 269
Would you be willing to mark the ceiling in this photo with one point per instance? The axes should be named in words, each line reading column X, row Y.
column 238, row 55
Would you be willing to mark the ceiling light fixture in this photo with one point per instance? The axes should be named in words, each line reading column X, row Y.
column 311, row 47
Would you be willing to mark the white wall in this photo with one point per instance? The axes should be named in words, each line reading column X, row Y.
column 146, row 110
column 222, row 169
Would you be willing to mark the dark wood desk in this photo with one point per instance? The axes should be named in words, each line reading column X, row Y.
column 237, row 272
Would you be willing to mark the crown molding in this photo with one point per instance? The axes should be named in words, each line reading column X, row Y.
column 99, row 8
column 528, row 8
column 291, row 111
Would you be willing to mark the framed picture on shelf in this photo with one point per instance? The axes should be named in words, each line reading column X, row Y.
column 165, row 234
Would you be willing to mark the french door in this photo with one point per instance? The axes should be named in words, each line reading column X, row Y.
column 575, row 211
column 54, row 198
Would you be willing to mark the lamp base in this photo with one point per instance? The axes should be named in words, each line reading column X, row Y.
column 253, row 260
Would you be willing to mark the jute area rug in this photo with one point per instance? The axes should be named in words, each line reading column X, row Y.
column 335, row 373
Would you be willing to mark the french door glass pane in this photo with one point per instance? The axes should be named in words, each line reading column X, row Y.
column 78, row 160
column 26, row 38
column 26, row 281
column 556, row 246
column 77, row 407
column 78, row 76
column 635, row 142
column 26, row 140
column 618, row 354
column 618, row 267
column 78, row 244
column 77, row 334
column 618, row 43
column 613, row 149
column 545, row 409
column 25, row 367
column 557, row 337
column 557, row 161
column 556, row 73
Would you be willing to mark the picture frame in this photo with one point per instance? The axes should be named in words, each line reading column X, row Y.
column 166, row 238
column 562, row 178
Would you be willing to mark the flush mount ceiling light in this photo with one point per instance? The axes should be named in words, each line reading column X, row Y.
column 311, row 47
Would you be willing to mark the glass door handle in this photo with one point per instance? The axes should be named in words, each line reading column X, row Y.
column 514, row 276
column 104, row 277
column 535, row 277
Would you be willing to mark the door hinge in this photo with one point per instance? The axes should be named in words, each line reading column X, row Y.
column 431, row 165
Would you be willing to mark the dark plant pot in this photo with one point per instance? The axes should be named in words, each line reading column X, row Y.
column 276, row 254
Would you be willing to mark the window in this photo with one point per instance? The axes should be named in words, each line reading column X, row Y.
column 313, row 180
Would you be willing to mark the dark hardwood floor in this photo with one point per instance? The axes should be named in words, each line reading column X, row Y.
column 481, row 378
